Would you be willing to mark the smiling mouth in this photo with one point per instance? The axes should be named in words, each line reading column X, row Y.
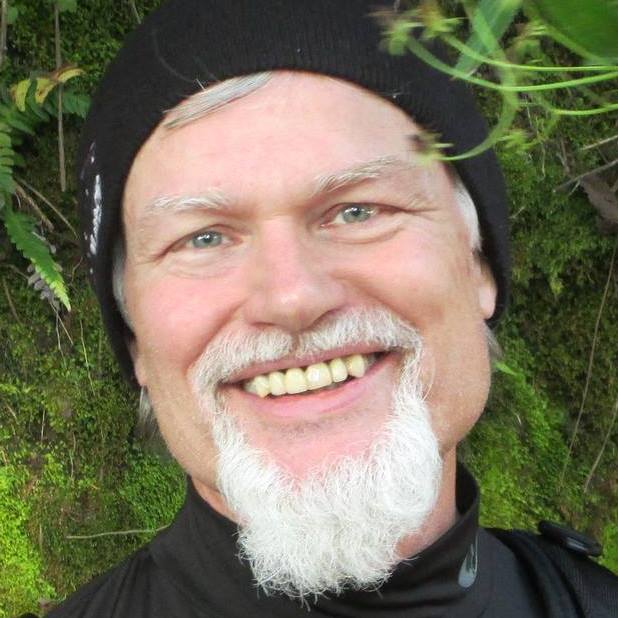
column 325, row 375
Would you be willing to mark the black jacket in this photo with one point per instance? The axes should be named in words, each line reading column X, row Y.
column 191, row 570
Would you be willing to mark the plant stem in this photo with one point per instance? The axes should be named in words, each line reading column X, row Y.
column 597, row 461
column 4, row 9
column 61, row 155
column 46, row 201
column 114, row 533
column 134, row 9
column 611, row 107
column 21, row 193
column 483, row 59
column 10, row 301
column 419, row 50
column 596, row 170
column 602, row 142
column 595, row 337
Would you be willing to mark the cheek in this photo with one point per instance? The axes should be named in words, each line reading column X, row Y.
column 417, row 279
column 177, row 317
column 431, row 286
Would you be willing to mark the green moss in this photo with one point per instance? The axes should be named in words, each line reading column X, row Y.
column 152, row 489
column 22, row 582
column 610, row 543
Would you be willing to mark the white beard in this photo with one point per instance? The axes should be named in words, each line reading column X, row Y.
column 340, row 526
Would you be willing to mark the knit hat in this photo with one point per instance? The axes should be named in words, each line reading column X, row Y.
column 187, row 45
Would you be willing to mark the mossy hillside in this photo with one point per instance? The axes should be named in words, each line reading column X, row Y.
column 70, row 463
column 561, row 262
column 67, row 422
column 21, row 568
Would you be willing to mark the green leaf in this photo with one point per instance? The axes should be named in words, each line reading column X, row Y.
column 19, row 92
column 36, row 110
column 7, row 184
column 67, row 6
column 12, row 15
column 504, row 368
column 590, row 28
column 491, row 16
column 20, row 230
column 18, row 123
column 76, row 103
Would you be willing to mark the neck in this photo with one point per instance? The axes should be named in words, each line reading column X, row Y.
column 443, row 516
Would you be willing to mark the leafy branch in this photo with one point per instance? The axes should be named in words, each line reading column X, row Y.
column 516, row 80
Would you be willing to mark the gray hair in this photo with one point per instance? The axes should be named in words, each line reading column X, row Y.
column 206, row 102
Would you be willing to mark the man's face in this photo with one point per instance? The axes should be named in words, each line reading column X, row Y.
column 310, row 203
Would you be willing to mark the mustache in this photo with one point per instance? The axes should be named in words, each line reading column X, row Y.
column 233, row 352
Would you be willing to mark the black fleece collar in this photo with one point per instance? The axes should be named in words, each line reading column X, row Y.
column 198, row 552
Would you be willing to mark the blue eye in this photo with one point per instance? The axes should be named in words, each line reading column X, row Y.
column 206, row 240
column 354, row 213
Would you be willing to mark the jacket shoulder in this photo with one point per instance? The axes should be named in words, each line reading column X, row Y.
column 565, row 576
column 102, row 596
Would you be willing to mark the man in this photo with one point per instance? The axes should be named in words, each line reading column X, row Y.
column 302, row 295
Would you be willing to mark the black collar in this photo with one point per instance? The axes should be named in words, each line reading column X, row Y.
column 198, row 553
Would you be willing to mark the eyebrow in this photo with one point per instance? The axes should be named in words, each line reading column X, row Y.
column 217, row 200
column 357, row 174
column 211, row 199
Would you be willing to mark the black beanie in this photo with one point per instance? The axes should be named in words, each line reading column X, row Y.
column 187, row 45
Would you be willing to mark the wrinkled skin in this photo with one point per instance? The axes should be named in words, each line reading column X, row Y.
column 287, row 260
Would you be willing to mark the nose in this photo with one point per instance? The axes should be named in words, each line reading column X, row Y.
column 291, row 285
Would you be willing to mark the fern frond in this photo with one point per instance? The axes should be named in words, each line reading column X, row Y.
column 75, row 103
column 20, row 228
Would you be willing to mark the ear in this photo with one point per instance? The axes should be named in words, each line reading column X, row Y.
column 138, row 361
column 487, row 289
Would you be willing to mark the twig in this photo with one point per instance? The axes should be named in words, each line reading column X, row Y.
column 10, row 300
column 114, row 533
column 81, row 328
column 19, row 191
column 58, row 330
column 608, row 433
column 590, row 362
column 602, row 142
column 4, row 9
column 61, row 157
column 596, row 170
column 10, row 409
column 38, row 194
column 42, row 426
column 135, row 13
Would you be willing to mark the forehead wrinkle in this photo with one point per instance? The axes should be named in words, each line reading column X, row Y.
column 369, row 170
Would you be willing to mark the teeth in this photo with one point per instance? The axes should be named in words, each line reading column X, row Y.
column 260, row 386
column 295, row 381
column 338, row 370
column 356, row 365
column 298, row 380
column 276, row 380
column 318, row 376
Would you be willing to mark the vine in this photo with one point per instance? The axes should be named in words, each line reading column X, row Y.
column 518, row 64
